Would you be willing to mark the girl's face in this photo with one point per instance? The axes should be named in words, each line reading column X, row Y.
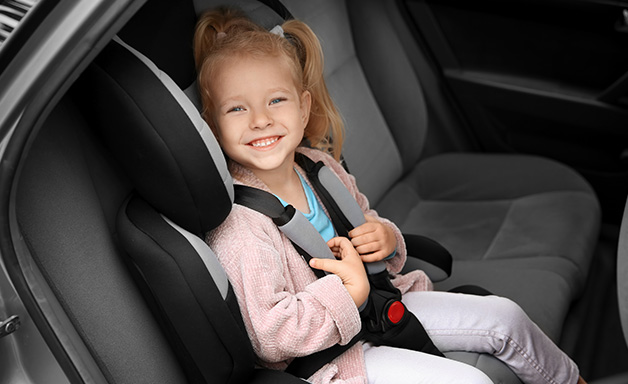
column 260, row 114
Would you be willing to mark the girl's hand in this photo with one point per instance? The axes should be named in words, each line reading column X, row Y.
column 349, row 268
column 373, row 240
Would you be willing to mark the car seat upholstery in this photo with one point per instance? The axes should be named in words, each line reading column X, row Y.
column 522, row 227
column 497, row 231
column 622, row 291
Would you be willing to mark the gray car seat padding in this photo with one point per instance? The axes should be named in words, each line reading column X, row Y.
column 170, row 159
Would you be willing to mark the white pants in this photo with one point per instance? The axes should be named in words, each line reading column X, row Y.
column 484, row 324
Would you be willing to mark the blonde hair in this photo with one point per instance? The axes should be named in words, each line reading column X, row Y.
column 226, row 32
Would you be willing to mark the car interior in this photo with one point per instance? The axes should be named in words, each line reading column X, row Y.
column 117, row 186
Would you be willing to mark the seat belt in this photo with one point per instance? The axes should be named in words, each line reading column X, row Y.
column 385, row 320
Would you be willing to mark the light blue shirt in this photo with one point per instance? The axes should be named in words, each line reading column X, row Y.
column 317, row 215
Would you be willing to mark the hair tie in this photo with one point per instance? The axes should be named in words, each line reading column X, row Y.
column 277, row 30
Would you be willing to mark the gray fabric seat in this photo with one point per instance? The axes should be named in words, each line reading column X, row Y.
column 622, row 293
column 520, row 226
column 530, row 211
column 485, row 208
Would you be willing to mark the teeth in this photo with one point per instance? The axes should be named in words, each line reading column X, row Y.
column 264, row 143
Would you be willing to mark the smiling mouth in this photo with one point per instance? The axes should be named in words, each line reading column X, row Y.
column 261, row 143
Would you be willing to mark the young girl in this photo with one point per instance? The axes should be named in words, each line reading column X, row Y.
column 263, row 93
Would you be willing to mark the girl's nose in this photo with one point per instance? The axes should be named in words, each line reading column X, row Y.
column 260, row 120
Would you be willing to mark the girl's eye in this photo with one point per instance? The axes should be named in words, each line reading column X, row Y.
column 236, row 109
column 277, row 100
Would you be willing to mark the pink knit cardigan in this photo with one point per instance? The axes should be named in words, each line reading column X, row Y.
column 287, row 311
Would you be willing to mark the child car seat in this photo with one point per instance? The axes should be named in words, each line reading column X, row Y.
column 183, row 191
column 178, row 170
column 120, row 144
column 180, row 176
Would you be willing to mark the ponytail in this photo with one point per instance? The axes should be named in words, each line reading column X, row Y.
column 325, row 129
column 213, row 26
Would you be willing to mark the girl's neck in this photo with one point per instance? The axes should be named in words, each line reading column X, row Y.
column 285, row 183
column 276, row 179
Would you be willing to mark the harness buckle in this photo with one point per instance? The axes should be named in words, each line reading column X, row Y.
column 395, row 311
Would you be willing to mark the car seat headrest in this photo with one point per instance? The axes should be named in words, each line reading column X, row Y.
column 159, row 138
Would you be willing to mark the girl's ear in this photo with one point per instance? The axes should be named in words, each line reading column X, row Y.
column 306, row 105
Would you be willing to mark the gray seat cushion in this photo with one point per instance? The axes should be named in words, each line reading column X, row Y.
column 522, row 227
column 501, row 207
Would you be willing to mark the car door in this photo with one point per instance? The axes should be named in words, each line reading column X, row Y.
column 543, row 77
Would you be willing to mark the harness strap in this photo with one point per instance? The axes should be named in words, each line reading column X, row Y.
column 287, row 220
column 294, row 225
column 339, row 219
column 346, row 214
column 344, row 211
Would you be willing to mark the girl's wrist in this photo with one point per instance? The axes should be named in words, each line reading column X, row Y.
column 393, row 254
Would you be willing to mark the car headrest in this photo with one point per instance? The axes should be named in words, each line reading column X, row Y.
column 158, row 137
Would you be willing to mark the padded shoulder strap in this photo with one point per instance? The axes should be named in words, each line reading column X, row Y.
column 291, row 222
column 346, row 214
column 344, row 211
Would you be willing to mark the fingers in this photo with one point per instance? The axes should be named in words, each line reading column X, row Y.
column 341, row 247
column 367, row 243
column 349, row 268
column 368, row 227
column 343, row 250
column 327, row 265
column 339, row 242
column 369, row 237
column 373, row 240
column 365, row 234
column 373, row 257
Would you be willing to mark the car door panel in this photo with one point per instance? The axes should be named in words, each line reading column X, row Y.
column 539, row 77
